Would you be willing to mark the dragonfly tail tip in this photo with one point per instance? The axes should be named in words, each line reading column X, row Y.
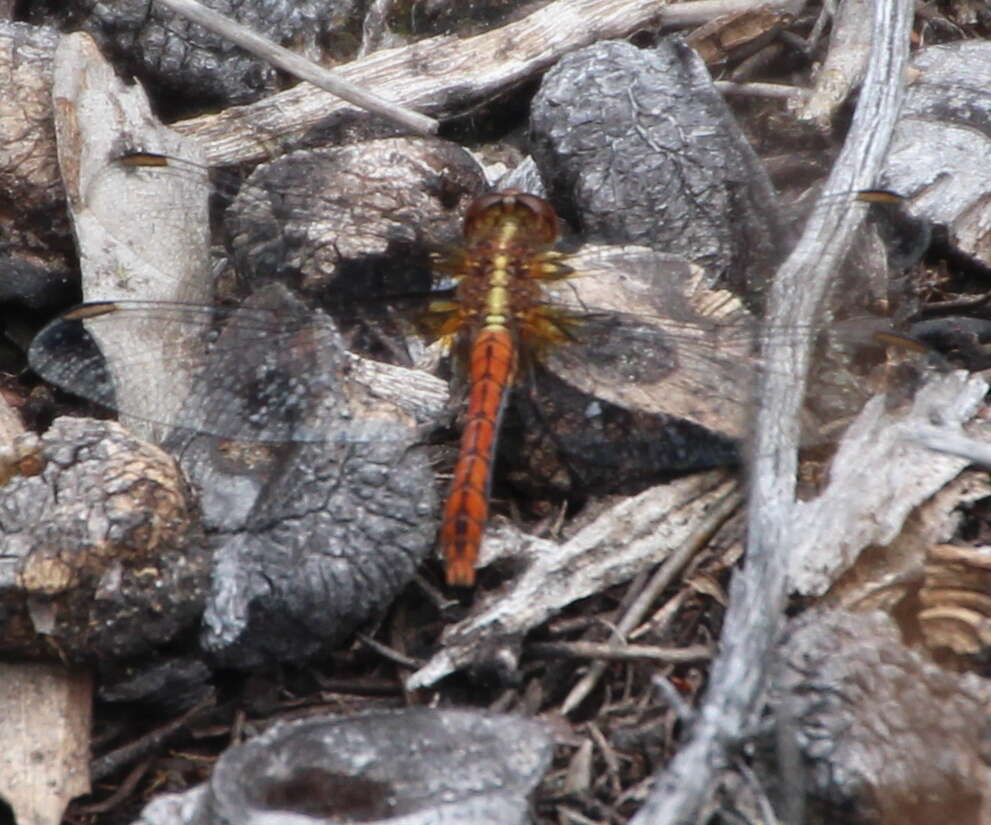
column 460, row 573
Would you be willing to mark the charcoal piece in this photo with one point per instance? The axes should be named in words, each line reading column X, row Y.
column 317, row 536
column 270, row 374
column 560, row 441
column 637, row 146
column 229, row 476
column 36, row 249
column 34, row 283
column 196, row 66
column 418, row 766
column 963, row 341
column 334, row 537
column 100, row 553
column 357, row 220
column 171, row 685
column 879, row 728
column 454, row 17
column 29, row 175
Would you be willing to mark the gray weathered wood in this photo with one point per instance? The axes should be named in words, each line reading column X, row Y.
column 638, row 532
column 45, row 729
column 759, row 591
column 445, row 75
column 942, row 135
column 843, row 69
column 126, row 249
column 878, row 476
column 300, row 66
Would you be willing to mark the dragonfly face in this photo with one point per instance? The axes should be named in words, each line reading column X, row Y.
column 631, row 328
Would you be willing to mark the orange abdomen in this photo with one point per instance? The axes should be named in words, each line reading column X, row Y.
column 491, row 368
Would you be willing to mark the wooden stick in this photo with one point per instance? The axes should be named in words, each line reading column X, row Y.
column 759, row 591
column 606, row 651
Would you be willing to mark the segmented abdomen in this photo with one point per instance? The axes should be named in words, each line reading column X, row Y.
column 491, row 367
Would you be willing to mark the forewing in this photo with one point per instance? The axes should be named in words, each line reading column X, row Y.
column 657, row 339
column 259, row 373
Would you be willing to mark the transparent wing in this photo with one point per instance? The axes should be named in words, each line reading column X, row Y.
column 649, row 337
column 262, row 372
column 330, row 218
column 660, row 341
column 269, row 371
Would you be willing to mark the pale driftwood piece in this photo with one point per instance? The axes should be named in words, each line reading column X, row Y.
column 883, row 576
column 876, row 479
column 954, row 127
column 11, row 425
column 845, row 64
column 640, row 531
column 300, row 66
column 758, row 593
column 44, row 727
column 444, row 75
column 416, row 392
column 126, row 250
column 951, row 441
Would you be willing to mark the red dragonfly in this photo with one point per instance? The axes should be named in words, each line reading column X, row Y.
column 501, row 320
column 507, row 254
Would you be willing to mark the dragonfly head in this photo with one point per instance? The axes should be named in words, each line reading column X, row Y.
column 532, row 215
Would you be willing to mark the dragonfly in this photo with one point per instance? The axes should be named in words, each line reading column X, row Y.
column 517, row 304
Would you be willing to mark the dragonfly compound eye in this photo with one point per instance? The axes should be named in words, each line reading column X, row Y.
column 534, row 213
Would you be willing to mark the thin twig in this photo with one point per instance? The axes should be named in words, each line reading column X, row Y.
column 674, row 700
column 388, row 653
column 662, row 617
column 665, row 574
column 779, row 91
column 441, row 602
column 360, row 687
column 120, row 793
column 576, row 817
column 608, row 754
column 767, row 814
column 607, row 651
column 151, row 742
